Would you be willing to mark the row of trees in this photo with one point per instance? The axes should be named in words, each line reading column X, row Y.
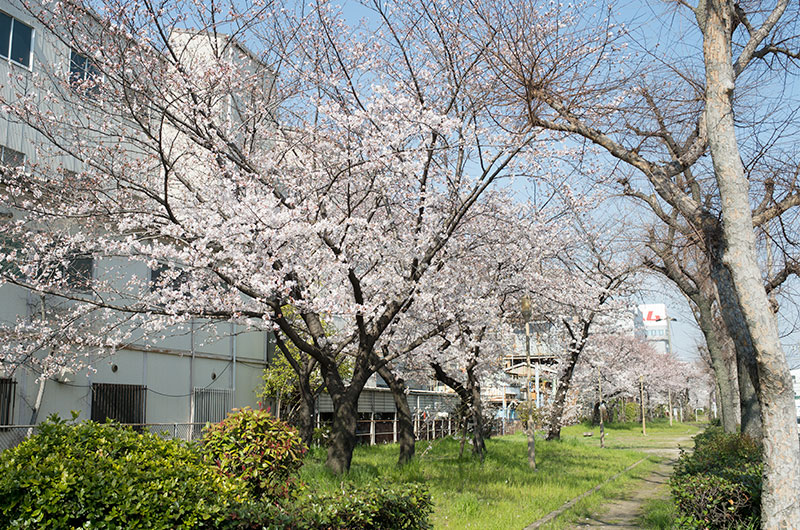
column 366, row 184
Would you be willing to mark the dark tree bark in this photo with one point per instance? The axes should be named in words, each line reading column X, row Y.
column 576, row 345
column 469, row 393
column 304, row 369
column 405, row 422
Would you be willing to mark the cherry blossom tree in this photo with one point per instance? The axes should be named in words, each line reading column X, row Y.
column 658, row 111
column 337, row 192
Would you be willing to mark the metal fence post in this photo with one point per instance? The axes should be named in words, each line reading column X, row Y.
column 372, row 428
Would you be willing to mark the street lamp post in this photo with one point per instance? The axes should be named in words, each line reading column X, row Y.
column 525, row 306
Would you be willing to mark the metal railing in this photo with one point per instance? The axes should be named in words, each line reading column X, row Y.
column 12, row 435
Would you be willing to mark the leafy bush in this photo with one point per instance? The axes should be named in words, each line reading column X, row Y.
column 398, row 508
column 96, row 475
column 631, row 412
column 321, row 436
column 255, row 447
column 719, row 485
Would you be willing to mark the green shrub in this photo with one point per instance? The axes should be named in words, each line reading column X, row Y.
column 255, row 447
column 106, row 476
column 321, row 436
column 631, row 412
column 719, row 484
column 398, row 508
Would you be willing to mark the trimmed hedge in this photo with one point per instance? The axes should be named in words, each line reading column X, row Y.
column 406, row 507
column 719, row 484
column 252, row 445
column 93, row 475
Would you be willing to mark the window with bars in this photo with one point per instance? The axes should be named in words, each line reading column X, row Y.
column 123, row 403
column 16, row 40
column 211, row 405
column 8, row 389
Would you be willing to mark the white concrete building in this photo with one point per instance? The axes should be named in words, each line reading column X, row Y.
column 197, row 373
column 796, row 385
column 654, row 322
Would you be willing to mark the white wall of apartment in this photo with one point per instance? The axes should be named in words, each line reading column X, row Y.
column 197, row 355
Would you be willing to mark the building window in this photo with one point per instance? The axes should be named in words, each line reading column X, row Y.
column 16, row 40
column 78, row 273
column 122, row 403
column 7, row 393
column 83, row 74
column 209, row 405
column 11, row 158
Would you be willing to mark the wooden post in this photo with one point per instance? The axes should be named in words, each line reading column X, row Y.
column 600, row 409
column 372, row 428
column 394, row 428
column 641, row 400
column 669, row 398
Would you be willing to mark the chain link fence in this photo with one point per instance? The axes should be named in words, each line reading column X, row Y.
column 12, row 435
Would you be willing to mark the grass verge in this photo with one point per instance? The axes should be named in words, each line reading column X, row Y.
column 503, row 493
column 659, row 514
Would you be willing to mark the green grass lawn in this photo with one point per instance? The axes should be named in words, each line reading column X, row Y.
column 503, row 492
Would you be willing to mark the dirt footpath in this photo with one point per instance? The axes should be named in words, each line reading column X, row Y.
column 626, row 512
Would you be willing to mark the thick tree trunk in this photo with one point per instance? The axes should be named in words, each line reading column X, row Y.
column 405, row 422
column 343, row 435
column 305, row 413
column 736, row 328
column 779, row 501
column 345, row 415
column 469, row 393
column 748, row 400
column 478, row 444
column 557, row 409
column 721, row 362
column 576, row 346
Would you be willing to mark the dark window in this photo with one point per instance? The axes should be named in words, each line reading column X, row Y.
column 78, row 274
column 9, row 267
column 5, row 34
column 16, row 40
column 83, row 74
column 123, row 403
column 7, row 392
column 11, row 158
column 164, row 277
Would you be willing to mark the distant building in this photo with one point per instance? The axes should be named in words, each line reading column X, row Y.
column 796, row 386
column 653, row 322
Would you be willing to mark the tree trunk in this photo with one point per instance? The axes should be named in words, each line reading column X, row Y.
column 345, row 414
column 576, row 346
column 736, row 328
column 478, row 444
column 405, row 422
column 305, row 414
column 748, row 400
column 557, row 409
column 470, row 401
column 781, row 484
column 343, row 434
column 721, row 363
